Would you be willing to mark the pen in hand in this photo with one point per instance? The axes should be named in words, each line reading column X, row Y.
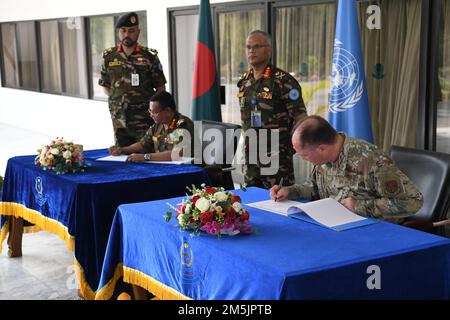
column 280, row 186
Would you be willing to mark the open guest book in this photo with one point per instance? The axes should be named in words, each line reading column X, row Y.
column 325, row 212
column 123, row 158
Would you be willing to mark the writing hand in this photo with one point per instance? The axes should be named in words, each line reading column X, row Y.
column 349, row 203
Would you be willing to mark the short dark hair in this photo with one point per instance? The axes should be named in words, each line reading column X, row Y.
column 315, row 130
column 165, row 100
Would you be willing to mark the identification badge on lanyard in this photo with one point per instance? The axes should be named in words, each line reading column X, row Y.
column 135, row 79
column 255, row 116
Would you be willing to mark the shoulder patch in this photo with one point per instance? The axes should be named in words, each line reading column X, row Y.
column 242, row 78
column 152, row 51
column 108, row 51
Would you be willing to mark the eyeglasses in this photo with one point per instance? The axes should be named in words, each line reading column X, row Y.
column 153, row 113
column 256, row 47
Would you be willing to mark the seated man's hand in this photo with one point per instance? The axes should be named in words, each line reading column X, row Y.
column 349, row 203
column 278, row 194
column 135, row 157
column 115, row 151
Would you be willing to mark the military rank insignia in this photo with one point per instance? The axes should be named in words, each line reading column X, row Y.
column 265, row 95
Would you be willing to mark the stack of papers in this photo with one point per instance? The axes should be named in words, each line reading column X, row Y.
column 325, row 212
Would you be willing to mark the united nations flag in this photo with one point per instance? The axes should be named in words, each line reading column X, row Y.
column 349, row 104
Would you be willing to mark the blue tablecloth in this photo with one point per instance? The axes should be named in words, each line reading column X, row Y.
column 85, row 203
column 287, row 259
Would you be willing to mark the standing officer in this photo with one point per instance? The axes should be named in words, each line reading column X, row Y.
column 270, row 98
column 130, row 75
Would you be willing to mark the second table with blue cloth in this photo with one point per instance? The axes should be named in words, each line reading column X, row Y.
column 286, row 259
column 80, row 207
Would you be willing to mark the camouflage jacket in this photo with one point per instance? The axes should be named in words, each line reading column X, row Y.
column 367, row 174
column 159, row 138
column 116, row 74
column 278, row 96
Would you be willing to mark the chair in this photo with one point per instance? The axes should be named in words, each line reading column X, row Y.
column 216, row 164
column 430, row 172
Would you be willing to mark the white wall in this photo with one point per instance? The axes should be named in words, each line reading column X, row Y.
column 85, row 121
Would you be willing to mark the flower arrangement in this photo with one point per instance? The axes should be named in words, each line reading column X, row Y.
column 61, row 156
column 211, row 210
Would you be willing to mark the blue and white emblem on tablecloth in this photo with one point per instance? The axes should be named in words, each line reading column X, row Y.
column 347, row 83
column 41, row 199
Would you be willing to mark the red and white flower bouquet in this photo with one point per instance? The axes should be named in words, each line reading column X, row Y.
column 61, row 156
column 212, row 210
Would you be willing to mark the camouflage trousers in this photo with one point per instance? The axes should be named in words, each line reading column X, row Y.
column 131, row 129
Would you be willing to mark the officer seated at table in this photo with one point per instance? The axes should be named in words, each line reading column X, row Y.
column 358, row 174
column 166, row 139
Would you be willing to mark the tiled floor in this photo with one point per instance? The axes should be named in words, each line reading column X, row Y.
column 44, row 272
column 46, row 269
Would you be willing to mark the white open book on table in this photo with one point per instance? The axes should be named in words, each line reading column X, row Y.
column 325, row 212
column 123, row 158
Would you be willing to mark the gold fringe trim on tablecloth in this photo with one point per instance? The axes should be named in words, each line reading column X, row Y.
column 40, row 221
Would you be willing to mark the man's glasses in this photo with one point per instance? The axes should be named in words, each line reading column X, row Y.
column 256, row 47
column 154, row 113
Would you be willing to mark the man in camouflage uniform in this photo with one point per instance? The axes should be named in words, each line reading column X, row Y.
column 269, row 98
column 170, row 129
column 356, row 173
column 130, row 75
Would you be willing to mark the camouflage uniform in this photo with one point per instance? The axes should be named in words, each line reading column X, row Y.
column 129, row 104
column 277, row 95
column 367, row 174
column 159, row 139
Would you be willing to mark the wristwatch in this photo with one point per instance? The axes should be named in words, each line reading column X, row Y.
column 147, row 156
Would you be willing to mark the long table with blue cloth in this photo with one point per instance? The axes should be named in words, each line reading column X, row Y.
column 80, row 207
column 286, row 259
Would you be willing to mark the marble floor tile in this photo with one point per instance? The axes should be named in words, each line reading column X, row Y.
column 44, row 272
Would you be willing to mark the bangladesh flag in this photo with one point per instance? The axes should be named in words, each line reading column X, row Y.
column 205, row 88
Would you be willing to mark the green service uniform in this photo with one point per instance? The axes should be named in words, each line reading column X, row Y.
column 131, row 81
column 159, row 138
column 270, row 102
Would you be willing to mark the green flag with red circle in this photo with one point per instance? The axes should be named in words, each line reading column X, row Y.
column 205, row 87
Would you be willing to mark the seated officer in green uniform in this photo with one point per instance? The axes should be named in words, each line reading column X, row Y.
column 164, row 139
column 130, row 75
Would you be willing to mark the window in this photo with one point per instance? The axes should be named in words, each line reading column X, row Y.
column 20, row 67
column 74, row 57
column 50, row 56
column 185, row 41
column 304, row 40
column 102, row 36
column 10, row 73
column 443, row 104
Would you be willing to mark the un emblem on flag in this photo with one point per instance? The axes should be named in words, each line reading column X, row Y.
column 347, row 85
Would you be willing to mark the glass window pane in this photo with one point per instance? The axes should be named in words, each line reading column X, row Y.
column 10, row 60
column 28, row 68
column 233, row 30
column 142, row 16
column 304, row 44
column 443, row 108
column 186, row 38
column 74, row 57
column 51, row 62
column 102, row 34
